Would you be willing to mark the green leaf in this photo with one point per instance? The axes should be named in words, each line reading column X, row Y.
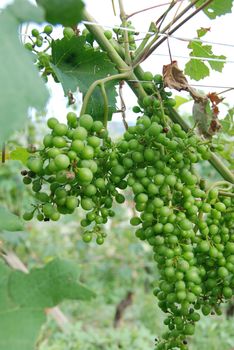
column 217, row 65
column 9, row 221
column 48, row 286
column 20, row 154
column 67, row 13
column 23, row 298
column 180, row 101
column 78, row 66
column 216, row 7
column 202, row 31
column 20, row 85
column 228, row 123
column 196, row 69
column 23, row 11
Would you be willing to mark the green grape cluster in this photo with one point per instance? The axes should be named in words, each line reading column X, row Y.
column 72, row 170
column 191, row 231
column 38, row 38
column 190, row 228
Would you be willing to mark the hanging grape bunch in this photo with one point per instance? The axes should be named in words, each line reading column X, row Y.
column 71, row 171
column 189, row 227
column 190, row 230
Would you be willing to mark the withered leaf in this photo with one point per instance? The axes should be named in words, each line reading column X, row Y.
column 214, row 98
column 174, row 78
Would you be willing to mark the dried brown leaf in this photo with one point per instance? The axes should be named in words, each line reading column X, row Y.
column 174, row 78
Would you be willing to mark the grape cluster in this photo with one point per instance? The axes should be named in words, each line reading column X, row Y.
column 72, row 170
column 191, row 231
column 38, row 38
column 190, row 228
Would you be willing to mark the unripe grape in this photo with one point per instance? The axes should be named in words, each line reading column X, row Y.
column 28, row 216
column 35, row 32
column 62, row 161
column 84, row 175
column 80, row 133
column 108, row 34
column 99, row 240
column 148, row 76
column 71, row 202
column 97, row 126
column 87, row 237
column 48, row 29
column 60, row 129
column 28, row 46
column 86, row 121
column 68, row 32
column 35, row 164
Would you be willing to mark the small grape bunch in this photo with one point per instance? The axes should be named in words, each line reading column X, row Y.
column 72, row 170
column 38, row 38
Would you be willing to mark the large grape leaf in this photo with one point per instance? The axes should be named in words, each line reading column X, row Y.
column 78, row 66
column 198, row 69
column 9, row 221
column 216, row 7
column 66, row 12
column 20, row 85
column 23, row 298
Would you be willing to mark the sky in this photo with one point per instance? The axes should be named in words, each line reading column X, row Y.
column 221, row 31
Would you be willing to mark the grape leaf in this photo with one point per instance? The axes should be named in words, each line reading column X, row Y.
column 216, row 7
column 202, row 31
column 20, row 85
column 198, row 70
column 67, row 13
column 78, row 66
column 180, row 101
column 20, row 154
column 9, row 221
column 37, row 289
column 23, row 298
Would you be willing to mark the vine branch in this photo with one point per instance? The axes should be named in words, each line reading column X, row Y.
column 123, row 106
column 151, row 8
column 101, row 82
column 139, row 91
column 105, row 98
column 154, row 47
column 123, row 18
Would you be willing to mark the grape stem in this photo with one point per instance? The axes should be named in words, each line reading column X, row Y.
column 105, row 98
column 152, row 28
column 123, row 18
column 113, row 6
column 106, row 46
column 220, row 185
column 101, row 82
column 150, row 8
column 226, row 194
